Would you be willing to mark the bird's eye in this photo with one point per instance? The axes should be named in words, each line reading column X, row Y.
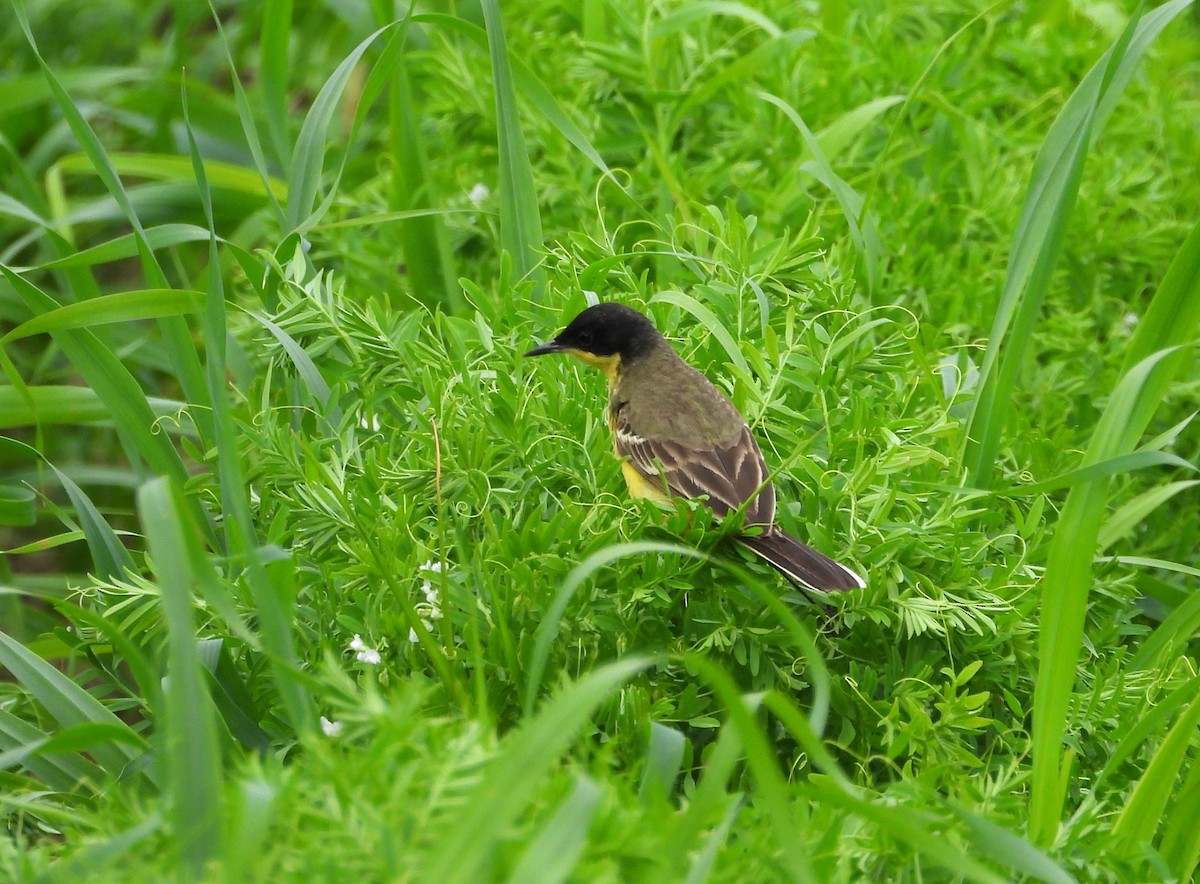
column 585, row 337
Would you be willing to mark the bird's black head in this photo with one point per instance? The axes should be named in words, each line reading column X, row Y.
column 604, row 334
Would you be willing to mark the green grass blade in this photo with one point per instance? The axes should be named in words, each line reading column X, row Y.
column 548, row 625
column 1010, row 850
column 664, row 757
column 274, row 189
column 678, row 19
column 862, row 228
column 270, row 588
column 75, row 405
column 273, row 73
column 1131, row 514
column 1174, row 313
column 910, row 828
column 146, row 675
column 121, row 307
column 520, row 217
column 112, row 382
column 708, row 319
column 68, row 703
column 161, row 237
column 1148, row 725
column 1066, row 584
column 529, row 85
column 1143, row 812
column 1037, row 243
column 110, row 558
column 555, row 849
column 308, row 157
column 17, row 506
column 771, row 788
column 424, row 240
column 463, row 851
column 182, row 353
column 168, row 167
column 1180, row 845
column 58, row 771
column 188, row 747
column 1180, row 627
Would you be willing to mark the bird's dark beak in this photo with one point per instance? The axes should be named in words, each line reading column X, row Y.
column 549, row 347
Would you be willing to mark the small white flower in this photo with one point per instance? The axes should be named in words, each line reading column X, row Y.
column 479, row 193
column 435, row 567
column 370, row 422
column 363, row 653
column 330, row 728
column 412, row 635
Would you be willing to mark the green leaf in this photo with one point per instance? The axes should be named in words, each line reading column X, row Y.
column 520, row 217
column 121, row 307
column 188, row 737
column 664, row 757
column 1037, row 242
column 1143, row 811
column 464, row 848
column 555, row 848
column 69, row 704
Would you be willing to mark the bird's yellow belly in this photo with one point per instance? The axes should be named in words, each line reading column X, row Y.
column 639, row 487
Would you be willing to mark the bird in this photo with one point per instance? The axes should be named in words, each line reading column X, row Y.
column 678, row 436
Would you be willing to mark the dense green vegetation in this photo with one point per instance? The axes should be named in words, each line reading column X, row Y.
column 307, row 575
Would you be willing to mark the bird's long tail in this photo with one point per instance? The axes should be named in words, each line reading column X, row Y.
column 801, row 563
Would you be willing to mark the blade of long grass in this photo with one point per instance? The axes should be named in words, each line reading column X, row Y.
column 116, row 387
column 1132, row 513
column 169, row 167
column 910, row 828
column 1180, row 627
column 534, row 90
column 1143, row 811
column 269, row 589
column 69, row 704
column 160, row 237
column 771, row 788
column 548, row 625
column 273, row 73
column 308, row 156
column 463, row 852
column 862, row 227
column 1037, row 243
column 555, row 849
column 188, row 747
column 424, row 240
column 520, row 217
column 678, row 19
column 75, row 405
column 63, row 771
column 702, row 861
column 121, row 307
column 183, row 356
column 1068, row 573
column 1174, row 313
column 1066, row 584
column 1180, row 845
column 1149, row 724
column 664, row 756
column 708, row 319
column 246, row 116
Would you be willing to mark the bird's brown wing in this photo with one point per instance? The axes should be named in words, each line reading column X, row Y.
column 727, row 475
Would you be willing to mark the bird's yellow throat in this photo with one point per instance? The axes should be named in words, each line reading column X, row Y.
column 610, row 365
